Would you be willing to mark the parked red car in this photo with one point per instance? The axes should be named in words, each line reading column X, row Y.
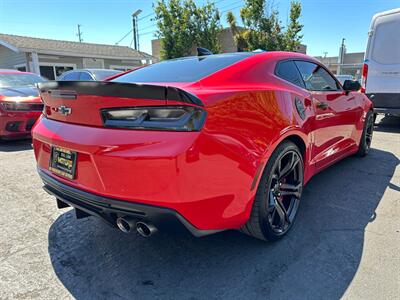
column 20, row 104
column 204, row 143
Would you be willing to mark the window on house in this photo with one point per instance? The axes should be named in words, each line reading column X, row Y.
column 47, row 72
column 53, row 72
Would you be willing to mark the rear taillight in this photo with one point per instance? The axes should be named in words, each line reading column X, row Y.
column 364, row 77
column 172, row 118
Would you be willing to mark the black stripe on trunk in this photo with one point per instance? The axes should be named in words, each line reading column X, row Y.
column 69, row 90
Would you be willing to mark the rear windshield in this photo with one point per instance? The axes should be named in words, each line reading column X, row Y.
column 18, row 80
column 187, row 69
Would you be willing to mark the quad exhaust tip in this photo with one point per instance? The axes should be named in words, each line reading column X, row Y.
column 127, row 225
column 145, row 229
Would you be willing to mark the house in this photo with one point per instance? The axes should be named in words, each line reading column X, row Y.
column 50, row 58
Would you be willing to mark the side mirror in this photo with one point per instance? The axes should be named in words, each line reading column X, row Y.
column 351, row 85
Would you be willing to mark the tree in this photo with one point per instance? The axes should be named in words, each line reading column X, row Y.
column 262, row 28
column 292, row 34
column 207, row 27
column 173, row 22
column 182, row 25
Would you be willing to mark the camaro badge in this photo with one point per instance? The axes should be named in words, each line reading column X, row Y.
column 64, row 110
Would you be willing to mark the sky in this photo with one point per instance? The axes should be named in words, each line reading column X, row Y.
column 325, row 22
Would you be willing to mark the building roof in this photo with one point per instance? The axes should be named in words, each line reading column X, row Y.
column 58, row 47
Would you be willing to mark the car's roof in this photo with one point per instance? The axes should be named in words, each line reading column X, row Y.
column 286, row 54
column 249, row 54
column 256, row 55
column 6, row 71
column 9, row 70
column 242, row 54
column 91, row 70
column 198, row 68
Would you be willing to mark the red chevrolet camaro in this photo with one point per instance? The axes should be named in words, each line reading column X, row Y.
column 202, row 144
column 20, row 104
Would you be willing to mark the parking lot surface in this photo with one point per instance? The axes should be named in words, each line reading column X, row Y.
column 345, row 243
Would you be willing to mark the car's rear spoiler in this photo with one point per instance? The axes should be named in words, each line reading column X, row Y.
column 70, row 89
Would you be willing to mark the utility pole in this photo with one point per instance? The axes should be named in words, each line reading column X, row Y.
column 135, row 29
column 326, row 62
column 342, row 52
column 79, row 34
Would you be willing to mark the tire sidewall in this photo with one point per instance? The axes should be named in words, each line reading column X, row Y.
column 364, row 148
column 265, row 184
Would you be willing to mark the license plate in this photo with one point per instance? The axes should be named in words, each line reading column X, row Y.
column 63, row 162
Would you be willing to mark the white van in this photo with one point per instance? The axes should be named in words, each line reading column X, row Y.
column 381, row 69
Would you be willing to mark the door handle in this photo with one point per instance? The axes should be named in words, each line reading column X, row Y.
column 322, row 105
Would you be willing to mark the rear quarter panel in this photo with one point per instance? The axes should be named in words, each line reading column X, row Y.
column 242, row 130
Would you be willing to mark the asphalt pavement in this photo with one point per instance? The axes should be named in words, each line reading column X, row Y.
column 345, row 243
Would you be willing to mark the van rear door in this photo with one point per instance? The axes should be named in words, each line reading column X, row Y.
column 383, row 61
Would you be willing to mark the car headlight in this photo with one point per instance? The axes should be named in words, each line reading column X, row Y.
column 173, row 118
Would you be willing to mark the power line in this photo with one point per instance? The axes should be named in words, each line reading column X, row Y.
column 228, row 7
column 130, row 31
column 147, row 27
column 146, row 16
column 152, row 14
column 224, row 11
column 230, row 4
column 146, row 33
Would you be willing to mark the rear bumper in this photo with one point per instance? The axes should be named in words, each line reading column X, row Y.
column 110, row 209
column 17, row 124
column 195, row 174
column 385, row 102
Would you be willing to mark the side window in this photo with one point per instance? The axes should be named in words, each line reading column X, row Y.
column 71, row 76
column 86, row 77
column 315, row 77
column 287, row 70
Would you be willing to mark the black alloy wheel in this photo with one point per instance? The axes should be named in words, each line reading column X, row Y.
column 366, row 137
column 278, row 195
column 284, row 192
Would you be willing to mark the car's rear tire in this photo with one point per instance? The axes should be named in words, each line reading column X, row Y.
column 366, row 137
column 278, row 195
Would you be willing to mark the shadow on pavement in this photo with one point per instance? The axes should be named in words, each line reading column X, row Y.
column 388, row 123
column 317, row 260
column 15, row 145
